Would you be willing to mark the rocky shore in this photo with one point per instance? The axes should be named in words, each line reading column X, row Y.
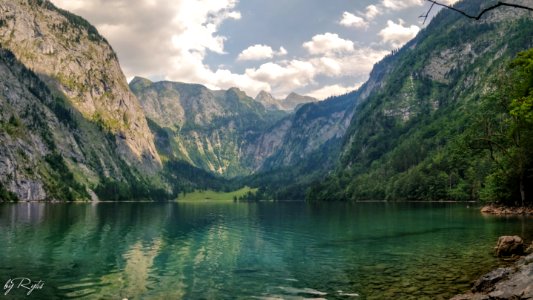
column 514, row 282
column 498, row 210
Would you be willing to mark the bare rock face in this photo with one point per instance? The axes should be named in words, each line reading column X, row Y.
column 509, row 245
column 268, row 101
column 69, row 54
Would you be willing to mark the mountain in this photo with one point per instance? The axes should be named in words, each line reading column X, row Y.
column 293, row 101
column 231, row 134
column 75, row 61
column 290, row 103
column 70, row 128
column 420, row 134
column 208, row 129
column 268, row 101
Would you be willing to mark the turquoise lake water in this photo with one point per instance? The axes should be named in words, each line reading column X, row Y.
column 248, row 251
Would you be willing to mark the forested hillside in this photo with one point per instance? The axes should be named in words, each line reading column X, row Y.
column 452, row 119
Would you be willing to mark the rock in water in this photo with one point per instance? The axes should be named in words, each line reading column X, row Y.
column 510, row 245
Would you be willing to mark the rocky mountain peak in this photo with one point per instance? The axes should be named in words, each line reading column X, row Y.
column 268, row 101
column 293, row 100
column 140, row 82
column 75, row 61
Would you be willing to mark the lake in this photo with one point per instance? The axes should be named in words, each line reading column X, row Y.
column 286, row 250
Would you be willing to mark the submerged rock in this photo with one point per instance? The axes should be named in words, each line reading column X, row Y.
column 509, row 245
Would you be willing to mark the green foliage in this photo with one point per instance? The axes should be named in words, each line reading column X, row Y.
column 13, row 127
column 62, row 185
column 137, row 189
column 132, row 186
column 462, row 137
column 7, row 196
column 260, row 194
column 186, row 178
column 216, row 196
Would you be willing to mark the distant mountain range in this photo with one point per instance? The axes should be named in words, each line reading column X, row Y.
column 229, row 133
column 71, row 128
column 291, row 102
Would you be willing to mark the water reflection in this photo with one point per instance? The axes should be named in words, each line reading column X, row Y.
column 264, row 250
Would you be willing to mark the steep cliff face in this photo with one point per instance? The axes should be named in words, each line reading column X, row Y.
column 229, row 133
column 209, row 129
column 408, row 138
column 73, row 59
column 48, row 150
column 311, row 128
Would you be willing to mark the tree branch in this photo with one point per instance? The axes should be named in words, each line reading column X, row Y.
column 433, row 3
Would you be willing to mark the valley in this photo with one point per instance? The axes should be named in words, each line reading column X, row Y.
column 408, row 133
column 238, row 149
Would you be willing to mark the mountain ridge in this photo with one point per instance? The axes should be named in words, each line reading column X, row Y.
column 404, row 141
column 291, row 102
column 74, row 59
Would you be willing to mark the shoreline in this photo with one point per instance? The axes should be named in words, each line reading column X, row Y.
column 511, row 282
column 514, row 281
column 501, row 210
column 178, row 200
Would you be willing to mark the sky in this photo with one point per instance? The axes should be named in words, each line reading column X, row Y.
column 312, row 47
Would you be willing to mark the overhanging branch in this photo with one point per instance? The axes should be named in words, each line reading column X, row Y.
column 475, row 17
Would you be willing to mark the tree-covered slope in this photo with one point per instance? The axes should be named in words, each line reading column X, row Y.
column 417, row 136
column 308, row 145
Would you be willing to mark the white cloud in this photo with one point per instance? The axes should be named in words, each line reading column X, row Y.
column 351, row 20
column 401, row 4
column 284, row 77
column 234, row 15
column 449, row 2
column 259, row 52
column 170, row 39
column 328, row 66
column 164, row 38
column 256, row 52
column 328, row 43
column 332, row 90
column 372, row 11
column 396, row 34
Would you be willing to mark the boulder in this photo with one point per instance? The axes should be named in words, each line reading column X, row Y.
column 509, row 245
column 486, row 283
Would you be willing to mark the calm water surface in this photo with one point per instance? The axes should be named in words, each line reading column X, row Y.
column 243, row 251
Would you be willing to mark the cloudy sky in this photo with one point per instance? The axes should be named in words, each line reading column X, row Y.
column 313, row 47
